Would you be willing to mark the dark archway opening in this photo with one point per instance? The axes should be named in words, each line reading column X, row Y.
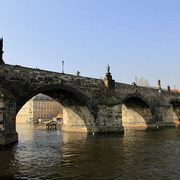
column 176, row 110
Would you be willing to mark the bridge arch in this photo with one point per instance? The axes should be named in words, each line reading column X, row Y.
column 138, row 96
column 176, row 110
column 136, row 111
column 79, row 112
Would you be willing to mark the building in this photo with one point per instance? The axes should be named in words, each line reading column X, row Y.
column 39, row 108
column 175, row 90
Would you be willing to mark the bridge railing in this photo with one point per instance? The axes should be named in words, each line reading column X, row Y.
column 152, row 87
column 164, row 89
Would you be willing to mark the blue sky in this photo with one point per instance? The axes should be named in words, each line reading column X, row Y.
column 135, row 37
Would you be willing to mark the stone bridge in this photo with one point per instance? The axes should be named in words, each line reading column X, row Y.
column 90, row 105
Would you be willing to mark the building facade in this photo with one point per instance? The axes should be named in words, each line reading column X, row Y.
column 39, row 108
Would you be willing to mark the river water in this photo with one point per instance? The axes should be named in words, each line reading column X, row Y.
column 42, row 154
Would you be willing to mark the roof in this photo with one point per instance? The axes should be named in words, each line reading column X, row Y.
column 60, row 115
column 42, row 97
column 175, row 90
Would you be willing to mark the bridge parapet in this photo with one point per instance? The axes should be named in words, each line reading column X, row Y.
column 22, row 81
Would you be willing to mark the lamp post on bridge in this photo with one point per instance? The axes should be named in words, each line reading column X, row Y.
column 62, row 67
column 1, row 51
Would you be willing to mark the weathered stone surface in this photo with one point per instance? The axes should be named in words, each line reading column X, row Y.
column 8, row 138
column 74, row 123
column 8, row 132
column 109, row 118
column 163, row 111
column 90, row 105
column 136, row 116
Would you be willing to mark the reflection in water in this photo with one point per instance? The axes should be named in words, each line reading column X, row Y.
column 55, row 155
column 7, row 162
column 152, row 154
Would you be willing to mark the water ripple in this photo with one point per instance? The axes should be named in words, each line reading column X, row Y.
column 41, row 154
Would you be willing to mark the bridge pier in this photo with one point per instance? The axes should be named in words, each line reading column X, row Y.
column 138, row 114
column 163, row 113
column 110, row 118
column 176, row 112
column 8, row 132
column 78, row 119
column 176, row 115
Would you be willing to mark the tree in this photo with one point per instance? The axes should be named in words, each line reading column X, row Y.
column 142, row 82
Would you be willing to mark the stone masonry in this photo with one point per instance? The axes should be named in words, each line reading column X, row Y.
column 90, row 105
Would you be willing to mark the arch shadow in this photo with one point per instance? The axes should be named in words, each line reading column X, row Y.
column 136, row 111
column 138, row 96
column 76, row 104
column 176, row 110
column 64, row 94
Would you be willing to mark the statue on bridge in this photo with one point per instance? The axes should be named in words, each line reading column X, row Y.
column 109, row 82
column 108, row 68
column 1, row 51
